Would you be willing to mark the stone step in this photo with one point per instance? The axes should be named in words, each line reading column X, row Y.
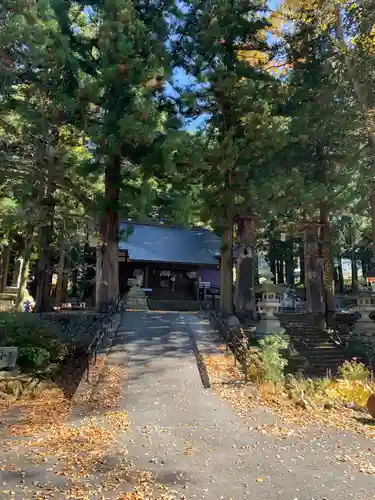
column 323, row 367
column 304, row 332
column 314, row 339
column 188, row 305
column 313, row 343
column 333, row 356
column 325, row 361
column 320, row 372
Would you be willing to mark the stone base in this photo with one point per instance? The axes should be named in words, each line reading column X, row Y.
column 136, row 299
column 268, row 326
column 364, row 327
column 136, row 303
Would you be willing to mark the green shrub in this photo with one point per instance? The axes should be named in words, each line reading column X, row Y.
column 267, row 364
column 255, row 368
column 354, row 370
column 34, row 338
column 33, row 358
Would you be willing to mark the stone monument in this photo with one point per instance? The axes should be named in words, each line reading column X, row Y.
column 8, row 357
column 136, row 297
column 268, row 306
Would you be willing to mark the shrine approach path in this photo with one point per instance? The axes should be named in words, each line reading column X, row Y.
column 198, row 446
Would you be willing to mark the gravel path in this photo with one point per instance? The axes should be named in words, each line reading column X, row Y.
column 196, row 444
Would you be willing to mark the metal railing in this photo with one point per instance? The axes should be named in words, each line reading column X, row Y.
column 237, row 343
column 107, row 322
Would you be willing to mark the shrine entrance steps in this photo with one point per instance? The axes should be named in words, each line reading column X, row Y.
column 319, row 354
column 171, row 304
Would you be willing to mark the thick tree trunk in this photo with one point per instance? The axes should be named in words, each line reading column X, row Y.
column 272, row 261
column 289, row 263
column 60, row 276
column 245, row 267
column 99, row 276
column 280, row 272
column 328, row 272
column 226, row 270
column 5, row 267
column 301, row 258
column 340, row 275
column 373, row 226
column 43, row 275
column 16, row 279
column 313, row 271
column 75, row 282
column 256, row 274
column 25, row 269
column 109, row 230
column 44, row 269
column 364, row 267
column 353, row 265
column 43, row 300
column 23, row 284
column 64, row 288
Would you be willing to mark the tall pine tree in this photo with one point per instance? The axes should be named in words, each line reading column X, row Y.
column 222, row 44
column 125, row 110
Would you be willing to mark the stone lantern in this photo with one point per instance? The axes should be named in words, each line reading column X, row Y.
column 268, row 306
column 364, row 327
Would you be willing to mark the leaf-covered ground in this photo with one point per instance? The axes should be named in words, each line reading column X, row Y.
column 45, row 453
column 228, row 381
column 292, row 419
column 201, row 448
column 146, row 429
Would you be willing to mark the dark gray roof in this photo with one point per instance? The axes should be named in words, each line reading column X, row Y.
column 159, row 243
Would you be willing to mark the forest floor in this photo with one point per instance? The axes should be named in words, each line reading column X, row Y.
column 151, row 430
